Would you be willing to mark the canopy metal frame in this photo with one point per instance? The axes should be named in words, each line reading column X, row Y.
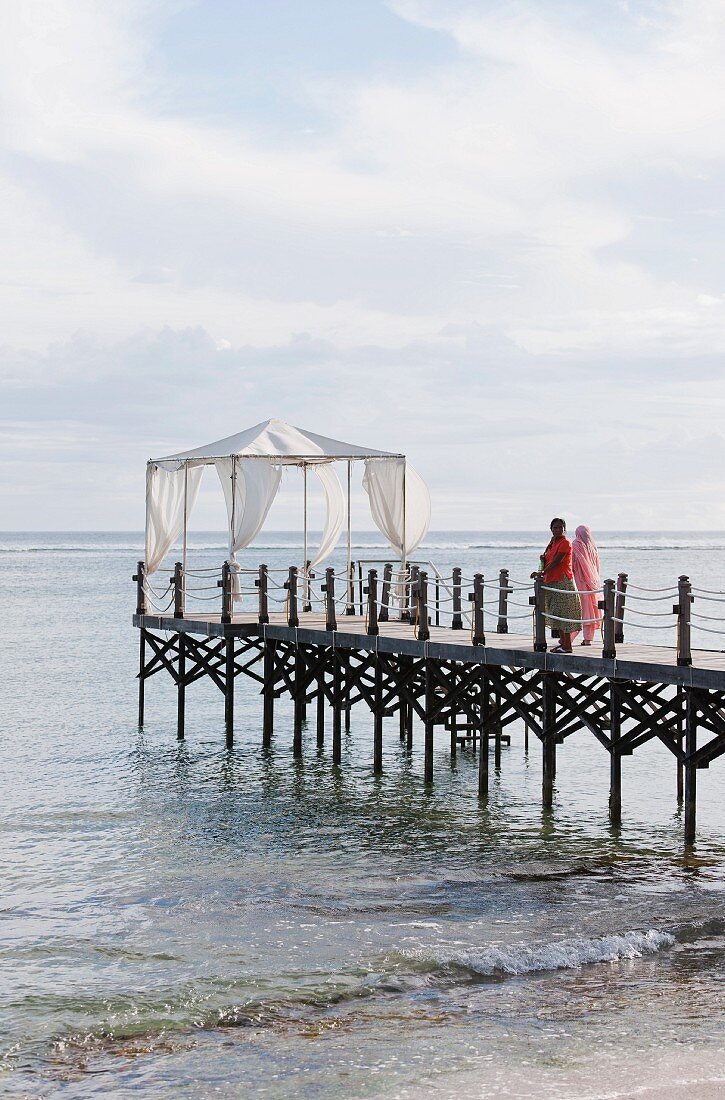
column 303, row 462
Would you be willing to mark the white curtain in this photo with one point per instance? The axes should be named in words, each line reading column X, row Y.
column 335, row 515
column 165, row 509
column 383, row 482
column 257, row 482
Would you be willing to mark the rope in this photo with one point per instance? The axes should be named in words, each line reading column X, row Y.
column 709, row 630
column 649, row 599
column 638, row 588
column 708, row 618
column 711, row 592
column 641, row 626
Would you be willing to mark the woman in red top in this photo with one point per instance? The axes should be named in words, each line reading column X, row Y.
column 562, row 606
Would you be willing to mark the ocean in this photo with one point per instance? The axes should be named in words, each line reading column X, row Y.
column 186, row 921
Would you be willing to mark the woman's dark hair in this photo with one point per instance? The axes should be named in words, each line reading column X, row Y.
column 557, row 519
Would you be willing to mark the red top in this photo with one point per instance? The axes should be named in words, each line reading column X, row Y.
column 563, row 569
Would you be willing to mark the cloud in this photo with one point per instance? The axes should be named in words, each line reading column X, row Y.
column 502, row 437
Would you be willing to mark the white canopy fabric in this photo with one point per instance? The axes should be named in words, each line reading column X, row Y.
column 167, row 494
column 335, row 515
column 249, row 488
column 399, row 502
column 273, row 439
column 250, row 464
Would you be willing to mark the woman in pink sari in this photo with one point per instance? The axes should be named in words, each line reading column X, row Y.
column 585, row 567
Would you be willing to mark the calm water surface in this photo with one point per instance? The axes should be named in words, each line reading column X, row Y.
column 183, row 920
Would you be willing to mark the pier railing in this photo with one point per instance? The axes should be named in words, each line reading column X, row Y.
column 421, row 596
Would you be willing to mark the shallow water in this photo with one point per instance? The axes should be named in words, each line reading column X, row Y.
column 184, row 920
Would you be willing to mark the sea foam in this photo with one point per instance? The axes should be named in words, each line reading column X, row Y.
column 562, row 955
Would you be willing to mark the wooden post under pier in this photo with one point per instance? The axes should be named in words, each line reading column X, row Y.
column 229, row 673
column 690, row 767
column 181, row 688
column 268, row 695
column 615, row 757
column 548, row 693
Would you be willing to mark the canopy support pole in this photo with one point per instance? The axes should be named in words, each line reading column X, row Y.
column 306, row 606
column 349, row 609
column 186, row 519
column 404, row 548
column 233, row 519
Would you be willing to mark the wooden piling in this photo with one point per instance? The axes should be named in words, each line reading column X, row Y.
column 321, row 710
column 429, row 705
column 299, row 702
column 484, row 712
column 549, row 739
column 337, row 708
column 181, row 689
column 229, row 672
column 615, row 756
column 141, row 676
column 268, row 695
column 680, row 735
column 378, row 717
column 690, row 767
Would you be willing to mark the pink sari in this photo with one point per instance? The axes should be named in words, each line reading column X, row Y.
column 585, row 566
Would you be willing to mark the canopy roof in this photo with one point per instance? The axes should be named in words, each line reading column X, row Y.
column 275, row 439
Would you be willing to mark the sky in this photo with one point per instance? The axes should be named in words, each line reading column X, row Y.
column 486, row 233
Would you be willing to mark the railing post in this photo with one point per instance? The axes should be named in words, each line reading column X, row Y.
column 226, row 586
column 140, row 576
column 683, row 610
column 502, row 626
column 178, row 582
column 306, row 602
column 384, row 614
column 622, row 579
column 607, row 606
column 537, row 602
column 372, row 606
column 262, row 583
column 293, row 618
column 412, row 595
column 438, row 601
column 422, row 606
column 457, row 620
column 476, row 598
column 350, row 607
column 329, row 589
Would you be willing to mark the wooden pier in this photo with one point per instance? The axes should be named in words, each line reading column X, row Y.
column 384, row 647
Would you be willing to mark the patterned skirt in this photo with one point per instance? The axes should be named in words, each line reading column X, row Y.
column 562, row 604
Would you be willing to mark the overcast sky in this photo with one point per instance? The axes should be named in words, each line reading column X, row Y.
column 486, row 232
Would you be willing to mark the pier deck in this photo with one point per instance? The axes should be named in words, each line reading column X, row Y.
column 635, row 662
column 473, row 682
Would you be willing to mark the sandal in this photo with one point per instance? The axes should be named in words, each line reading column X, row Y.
column 559, row 649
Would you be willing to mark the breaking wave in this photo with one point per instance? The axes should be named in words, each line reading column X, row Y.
column 563, row 955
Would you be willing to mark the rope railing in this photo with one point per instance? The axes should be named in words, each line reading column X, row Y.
column 422, row 596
